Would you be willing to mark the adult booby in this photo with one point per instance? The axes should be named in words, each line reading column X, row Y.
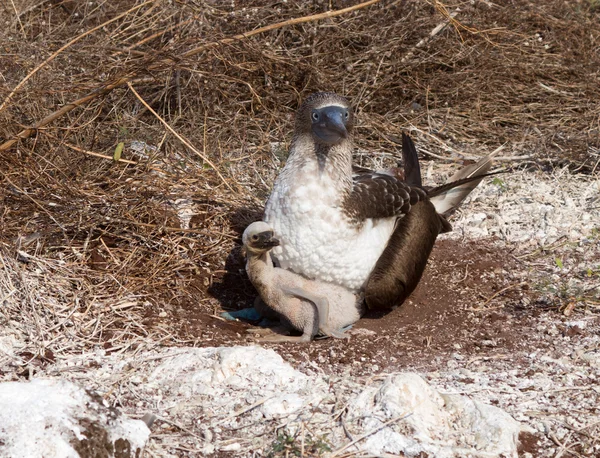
column 364, row 230
column 309, row 306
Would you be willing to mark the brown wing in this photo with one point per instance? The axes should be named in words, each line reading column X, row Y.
column 399, row 269
column 378, row 195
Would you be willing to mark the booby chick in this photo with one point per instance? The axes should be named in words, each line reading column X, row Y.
column 365, row 230
column 308, row 306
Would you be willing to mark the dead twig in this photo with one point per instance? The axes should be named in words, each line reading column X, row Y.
column 370, row 433
column 244, row 410
column 179, row 137
column 69, row 44
column 26, row 133
column 279, row 25
column 441, row 26
column 493, row 296
column 19, row 21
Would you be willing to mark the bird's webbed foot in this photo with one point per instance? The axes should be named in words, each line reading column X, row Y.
column 277, row 338
column 336, row 334
column 272, row 331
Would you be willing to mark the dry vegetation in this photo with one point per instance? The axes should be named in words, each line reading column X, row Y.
column 93, row 252
column 104, row 233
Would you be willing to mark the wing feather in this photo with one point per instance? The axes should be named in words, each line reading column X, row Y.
column 378, row 195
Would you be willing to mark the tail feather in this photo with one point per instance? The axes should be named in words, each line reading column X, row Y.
column 453, row 185
column 412, row 169
column 448, row 197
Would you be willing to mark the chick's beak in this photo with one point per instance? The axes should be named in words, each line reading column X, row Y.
column 266, row 240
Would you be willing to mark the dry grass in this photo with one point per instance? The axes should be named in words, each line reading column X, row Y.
column 93, row 251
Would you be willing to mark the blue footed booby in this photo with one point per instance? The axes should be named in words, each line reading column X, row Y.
column 356, row 228
column 309, row 306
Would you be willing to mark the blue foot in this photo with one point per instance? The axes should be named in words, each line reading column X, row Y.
column 248, row 314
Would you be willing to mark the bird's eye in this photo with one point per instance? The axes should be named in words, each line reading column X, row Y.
column 315, row 116
column 255, row 237
column 346, row 115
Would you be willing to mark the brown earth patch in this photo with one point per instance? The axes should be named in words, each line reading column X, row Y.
column 450, row 310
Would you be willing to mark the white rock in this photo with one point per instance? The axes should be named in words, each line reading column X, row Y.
column 478, row 218
column 56, row 418
column 282, row 406
column 8, row 345
column 185, row 209
column 444, row 426
column 493, row 430
column 211, row 371
column 231, row 447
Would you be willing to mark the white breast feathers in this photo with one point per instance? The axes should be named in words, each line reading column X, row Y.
column 318, row 240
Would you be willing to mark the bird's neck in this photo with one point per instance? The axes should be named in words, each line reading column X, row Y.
column 333, row 161
column 260, row 270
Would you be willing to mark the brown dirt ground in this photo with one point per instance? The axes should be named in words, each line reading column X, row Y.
column 439, row 317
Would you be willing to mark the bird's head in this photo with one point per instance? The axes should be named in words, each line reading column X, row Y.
column 258, row 238
column 327, row 117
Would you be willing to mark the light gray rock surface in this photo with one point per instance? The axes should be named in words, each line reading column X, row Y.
column 440, row 425
column 254, row 392
column 56, row 418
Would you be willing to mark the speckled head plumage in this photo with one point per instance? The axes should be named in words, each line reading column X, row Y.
column 259, row 238
column 327, row 117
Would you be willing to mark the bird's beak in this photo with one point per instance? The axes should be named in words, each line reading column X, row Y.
column 272, row 242
column 266, row 240
column 334, row 121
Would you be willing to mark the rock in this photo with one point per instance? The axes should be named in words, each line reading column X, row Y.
column 252, row 391
column 216, row 371
column 281, row 406
column 425, row 422
column 226, row 380
column 55, row 418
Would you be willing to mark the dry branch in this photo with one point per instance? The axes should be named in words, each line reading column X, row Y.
column 179, row 137
column 373, row 431
column 441, row 26
column 279, row 25
column 68, row 45
column 26, row 133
